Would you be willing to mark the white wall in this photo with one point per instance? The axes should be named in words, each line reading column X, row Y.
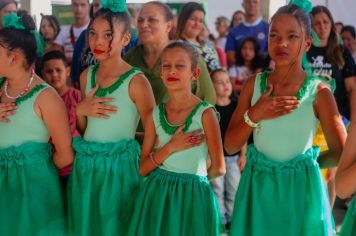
column 221, row 8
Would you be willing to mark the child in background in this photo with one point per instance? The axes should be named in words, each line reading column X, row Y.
column 55, row 71
column 225, row 187
column 115, row 96
column 180, row 135
column 248, row 63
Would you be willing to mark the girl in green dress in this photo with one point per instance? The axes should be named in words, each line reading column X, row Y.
column 346, row 181
column 281, row 191
column 31, row 200
column 176, row 198
column 115, row 95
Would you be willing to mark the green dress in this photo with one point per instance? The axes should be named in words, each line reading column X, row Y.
column 31, row 200
column 281, row 190
column 176, row 198
column 105, row 172
column 348, row 227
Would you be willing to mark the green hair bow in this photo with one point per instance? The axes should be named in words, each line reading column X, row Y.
column 14, row 21
column 114, row 5
column 305, row 5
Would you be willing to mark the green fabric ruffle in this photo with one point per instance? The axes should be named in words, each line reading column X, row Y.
column 281, row 198
column 103, row 180
column 174, row 204
column 263, row 163
column 31, row 200
column 348, row 227
column 26, row 153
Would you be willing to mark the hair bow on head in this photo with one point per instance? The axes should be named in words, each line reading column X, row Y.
column 14, row 21
column 114, row 5
column 305, row 5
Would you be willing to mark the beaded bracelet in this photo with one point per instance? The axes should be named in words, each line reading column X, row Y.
column 250, row 122
column 155, row 163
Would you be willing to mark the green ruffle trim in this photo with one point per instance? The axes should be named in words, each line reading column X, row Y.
column 105, row 150
column 2, row 81
column 263, row 163
column 171, row 129
column 300, row 94
column 102, row 92
column 25, row 153
column 28, row 95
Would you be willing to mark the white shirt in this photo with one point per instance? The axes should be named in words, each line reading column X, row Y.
column 64, row 39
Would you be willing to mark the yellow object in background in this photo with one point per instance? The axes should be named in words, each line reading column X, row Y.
column 319, row 140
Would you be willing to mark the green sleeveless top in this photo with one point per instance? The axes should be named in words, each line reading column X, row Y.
column 193, row 160
column 122, row 124
column 287, row 136
column 25, row 125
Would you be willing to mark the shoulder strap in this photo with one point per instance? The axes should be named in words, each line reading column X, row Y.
column 34, row 91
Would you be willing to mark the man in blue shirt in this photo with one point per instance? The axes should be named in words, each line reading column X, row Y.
column 254, row 26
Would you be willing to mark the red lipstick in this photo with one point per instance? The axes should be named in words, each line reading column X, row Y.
column 281, row 54
column 98, row 51
column 172, row 79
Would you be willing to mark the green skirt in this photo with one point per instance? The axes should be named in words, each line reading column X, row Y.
column 174, row 204
column 102, row 182
column 348, row 227
column 31, row 201
column 281, row 198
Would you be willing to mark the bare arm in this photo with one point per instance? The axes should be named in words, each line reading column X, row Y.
column 332, row 125
column 55, row 117
column 350, row 85
column 234, row 142
column 346, row 173
column 141, row 94
column 82, row 120
column 212, row 130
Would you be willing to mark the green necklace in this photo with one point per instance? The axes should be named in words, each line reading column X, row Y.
column 102, row 92
column 299, row 95
column 171, row 129
column 28, row 95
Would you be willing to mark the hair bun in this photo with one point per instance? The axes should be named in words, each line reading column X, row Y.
column 28, row 22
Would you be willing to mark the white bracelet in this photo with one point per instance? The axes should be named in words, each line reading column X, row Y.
column 250, row 122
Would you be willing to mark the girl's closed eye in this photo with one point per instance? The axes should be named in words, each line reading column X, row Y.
column 166, row 66
column 293, row 36
column 180, row 66
column 152, row 20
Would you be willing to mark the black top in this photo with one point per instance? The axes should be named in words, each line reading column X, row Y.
column 321, row 67
column 225, row 116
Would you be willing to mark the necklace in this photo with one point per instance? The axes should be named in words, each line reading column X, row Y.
column 23, row 92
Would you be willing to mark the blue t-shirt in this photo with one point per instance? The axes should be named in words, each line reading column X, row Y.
column 258, row 30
